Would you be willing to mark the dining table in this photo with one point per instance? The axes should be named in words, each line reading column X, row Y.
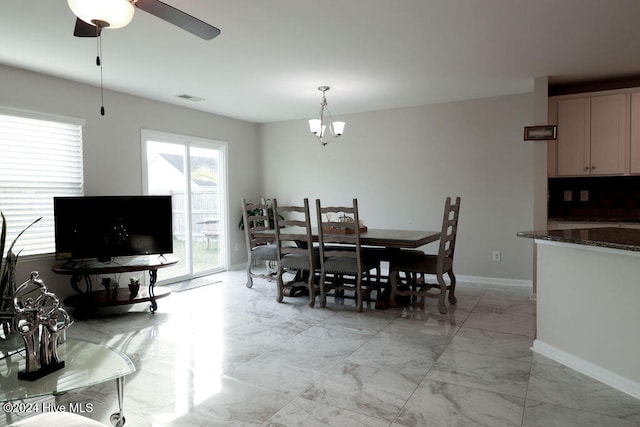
column 387, row 240
column 378, row 237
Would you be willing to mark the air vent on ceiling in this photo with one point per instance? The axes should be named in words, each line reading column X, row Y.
column 191, row 98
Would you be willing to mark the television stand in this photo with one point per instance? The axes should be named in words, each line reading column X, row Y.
column 88, row 298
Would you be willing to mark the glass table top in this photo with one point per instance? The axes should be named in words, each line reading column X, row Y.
column 10, row 344
column 86, row 364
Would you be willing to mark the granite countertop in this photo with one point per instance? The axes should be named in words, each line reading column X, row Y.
column 630, row 219
column 627, row 239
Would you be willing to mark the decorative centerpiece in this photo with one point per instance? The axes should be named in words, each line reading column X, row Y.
column 343, row 230
column 7, row 279
column 110, row 287
column 40, row 320
column 32, row 312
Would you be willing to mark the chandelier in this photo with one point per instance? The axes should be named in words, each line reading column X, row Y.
column 321, row 125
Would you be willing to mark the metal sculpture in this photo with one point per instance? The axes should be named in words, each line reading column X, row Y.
column 40, row 320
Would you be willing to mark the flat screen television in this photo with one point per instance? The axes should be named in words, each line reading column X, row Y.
column 105, row 227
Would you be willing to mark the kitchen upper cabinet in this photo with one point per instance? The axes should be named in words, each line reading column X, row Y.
column 635, row 133
column 609, row 134
column 593, row 135
column 574, row 136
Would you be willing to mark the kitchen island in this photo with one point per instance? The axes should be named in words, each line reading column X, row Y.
column 588, row 302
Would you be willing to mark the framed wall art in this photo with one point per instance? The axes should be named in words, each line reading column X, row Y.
column 540, row 133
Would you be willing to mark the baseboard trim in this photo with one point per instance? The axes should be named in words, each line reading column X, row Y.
column 496, row 281
column 592, row 370
column 241, row 266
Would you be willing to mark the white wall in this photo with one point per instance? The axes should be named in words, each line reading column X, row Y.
column 402, row 163
column 112, row 148
column 594, row 336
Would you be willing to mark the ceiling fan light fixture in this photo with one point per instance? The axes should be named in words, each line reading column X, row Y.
column 116, row 13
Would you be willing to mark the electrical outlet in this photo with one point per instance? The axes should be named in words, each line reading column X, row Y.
column 496, row 256
column 584, row 195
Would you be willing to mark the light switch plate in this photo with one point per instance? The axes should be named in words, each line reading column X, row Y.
column 568, row 195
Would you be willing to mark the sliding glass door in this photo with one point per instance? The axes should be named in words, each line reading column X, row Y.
column 192, row 171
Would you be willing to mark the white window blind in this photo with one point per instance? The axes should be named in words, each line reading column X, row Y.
column 39, row 159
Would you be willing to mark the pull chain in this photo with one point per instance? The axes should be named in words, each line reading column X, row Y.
column 99, row 64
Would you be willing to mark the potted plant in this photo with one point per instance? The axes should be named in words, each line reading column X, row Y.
column 257, row 211
column 134, row 286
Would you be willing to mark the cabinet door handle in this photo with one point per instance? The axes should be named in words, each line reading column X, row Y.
column 586, row 168
column 593, row 167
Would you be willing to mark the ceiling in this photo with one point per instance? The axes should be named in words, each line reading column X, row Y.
column 272, row 55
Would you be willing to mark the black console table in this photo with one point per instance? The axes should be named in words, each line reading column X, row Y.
column 89, row 298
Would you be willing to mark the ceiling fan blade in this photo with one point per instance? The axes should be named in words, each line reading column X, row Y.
column 178, row 18
column 83, row 29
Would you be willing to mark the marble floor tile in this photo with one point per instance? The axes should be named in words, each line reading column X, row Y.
column 538, row 414
column 518, row 324
column 492, row 343
column 560, row 385
column 237, row 403
column 317, row 349
column 516, row 293
column 507, row 306
column 432, row 330
column 370, row 324
column 303, row 412
column 441, row 404
column 501, row 375
column 363, row 389
column 455, row 315
column 227, row 355
column 271, row 373
column 410, row 359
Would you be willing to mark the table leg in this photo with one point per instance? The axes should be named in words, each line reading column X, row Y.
column 76, row 278
column 153, row 276
column 117, row 419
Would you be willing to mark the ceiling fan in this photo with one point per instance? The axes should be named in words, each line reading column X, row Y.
column 93, row 16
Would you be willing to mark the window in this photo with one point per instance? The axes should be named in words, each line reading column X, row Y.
column 40, row 157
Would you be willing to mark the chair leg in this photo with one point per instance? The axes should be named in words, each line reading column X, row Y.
column 359, row 292
column 442, row 307
column 280, row 285
column 393, row 284
column 249, row 278
column 377, row 286
column 323, row 289
column 452, row 288
column 312, row 291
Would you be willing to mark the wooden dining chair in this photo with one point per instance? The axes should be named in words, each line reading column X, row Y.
column 414, row 265
column 341, row 254
column 294, row 253
column 255, row 217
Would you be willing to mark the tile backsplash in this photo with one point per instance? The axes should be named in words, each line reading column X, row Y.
column 615, row 198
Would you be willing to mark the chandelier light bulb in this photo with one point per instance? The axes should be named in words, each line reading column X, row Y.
column 338, row 128
column 314, row 126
